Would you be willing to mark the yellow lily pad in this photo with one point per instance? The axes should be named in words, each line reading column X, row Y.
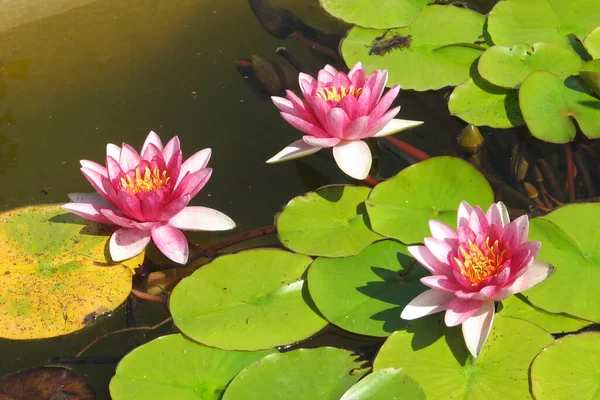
column 55, row 271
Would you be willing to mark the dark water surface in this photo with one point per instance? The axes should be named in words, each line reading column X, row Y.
column 85, row 73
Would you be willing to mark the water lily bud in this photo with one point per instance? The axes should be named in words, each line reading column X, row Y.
column 470, row 140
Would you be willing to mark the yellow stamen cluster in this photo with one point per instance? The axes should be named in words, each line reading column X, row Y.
column 150, row 180
column 480, row 264
column 337, row 94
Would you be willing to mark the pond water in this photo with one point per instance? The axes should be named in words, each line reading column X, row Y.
column 85, row 73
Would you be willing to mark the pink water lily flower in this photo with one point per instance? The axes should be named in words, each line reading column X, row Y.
column 338, row 111
column 486, row 260
column 147, row 194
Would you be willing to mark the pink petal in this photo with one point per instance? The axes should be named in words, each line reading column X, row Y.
column 494, row 215
column 87, row 211
column 194, row 163
column 320, row 108
column 295, row 150
column 477, row 328
column 397, row 125
column 286, row 106
column 340, row 79
column 516, row 232
column 325, row 76
column 191, row 183
column 321, row 142
column 201, row 219
column 459, row 310
column 464, row 211
column 386, row 101
column 129, row 205
column 429, row 302
column 126, row 243
column 336, row 121
column 300, row 108
column 129, row 158
column 536, row 273
column 357, row 128
column 171, row 149
column 114, row 151
column 304, row 126
column 381, row 77
column 354, row 158
column 307, row 84
column 376, row 126
column 174, row 207
column 363, row 106
column 441, row 231
column 95, row 179
column 151, row 151
column 440, row 249
column 358, row 75
column 93, row 166
column 478, row 222
column 125, row 222
column 152, row 203
column 171, row 242
column 114, row 169
column 424, row 256
column 154, row 139
column 441, row 282
column 348, row 104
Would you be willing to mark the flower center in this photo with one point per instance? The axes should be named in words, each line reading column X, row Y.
column 144, row 179
column 337, row 94
column 479, row 264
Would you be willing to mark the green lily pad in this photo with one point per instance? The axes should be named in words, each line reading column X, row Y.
column 592, row 43
column 590, row 73
column 378, row 14
column 568, row 369
column 402, row 206
column 509, row 66
column 174, row 367
column 255, row 299
column 532, row 21
column 330, row 222
column 375, row 285
column 571, row 243
column 548, row 103
column 436, row 357
column 518, row 307
column 478, row 102
column 324, row 373
column 54, row 271
column 385, row 384
column 438, row 53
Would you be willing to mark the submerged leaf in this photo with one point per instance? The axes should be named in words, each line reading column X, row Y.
column 45, row 383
